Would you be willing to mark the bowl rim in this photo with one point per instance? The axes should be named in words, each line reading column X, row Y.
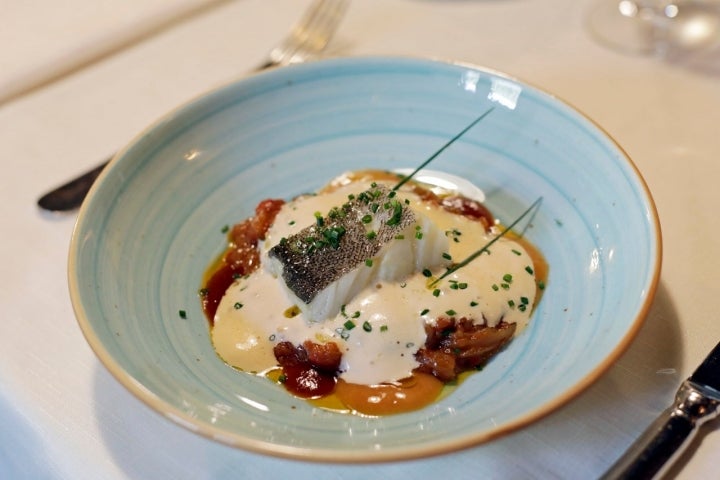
column 327, row 455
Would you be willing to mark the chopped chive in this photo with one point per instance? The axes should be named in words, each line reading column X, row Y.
column 367, row 326
column 473, row 303
column 454, row 233
column 384, row 328
column 427, row 273
column 238, row 305
column 356, row 314
column 369, row 262
column 522, row 308
column 436, row 292
column 371, row 235
column 292, row 312
column 516, row 252
column 505, row 286
column 508, row 278
column 397, row 213
column 225, row 229
column 418, row 235
column 541, row 285
column 524, row 300
column 203, row 292
column 400, row 237
column 451, row 312
column 424, row 312
column 349, row 325
column 495, row 287
column 529, row 270
column 183, row 314
column 446, row 256
column 462, row 285
column 511, row 303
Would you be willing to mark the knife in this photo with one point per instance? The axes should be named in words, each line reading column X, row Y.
column 70, row 195
column 697, row 401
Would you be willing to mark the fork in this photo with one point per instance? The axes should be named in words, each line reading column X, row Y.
column 305, row 41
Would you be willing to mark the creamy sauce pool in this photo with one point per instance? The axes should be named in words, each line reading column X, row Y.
column 380, row 329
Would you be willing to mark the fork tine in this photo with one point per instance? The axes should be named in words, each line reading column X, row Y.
column 311, row 34
column 322, row 20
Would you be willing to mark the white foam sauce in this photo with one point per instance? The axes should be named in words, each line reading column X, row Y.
column 390, row 319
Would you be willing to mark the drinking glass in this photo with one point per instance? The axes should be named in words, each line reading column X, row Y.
column 660, row 27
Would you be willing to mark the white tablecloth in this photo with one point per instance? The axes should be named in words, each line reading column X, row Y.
column 62, row 416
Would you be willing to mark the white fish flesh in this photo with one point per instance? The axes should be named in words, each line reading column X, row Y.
column 375, row 236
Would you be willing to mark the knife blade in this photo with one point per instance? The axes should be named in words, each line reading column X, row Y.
column 70, row 195
column 697, row 401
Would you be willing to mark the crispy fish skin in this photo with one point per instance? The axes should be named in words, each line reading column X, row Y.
column 345, row 238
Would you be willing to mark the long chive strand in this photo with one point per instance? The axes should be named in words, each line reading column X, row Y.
column 442, row 149
column 473, row 256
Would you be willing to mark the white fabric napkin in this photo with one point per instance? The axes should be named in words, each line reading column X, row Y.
column 43, row 40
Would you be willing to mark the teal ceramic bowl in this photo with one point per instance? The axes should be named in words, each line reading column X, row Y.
column 153, row 221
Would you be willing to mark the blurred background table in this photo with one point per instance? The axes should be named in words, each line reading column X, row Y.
column 62, row 416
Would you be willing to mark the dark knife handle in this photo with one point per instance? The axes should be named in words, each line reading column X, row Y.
column 645, row 459
column 70, row 195
column 664, row 441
